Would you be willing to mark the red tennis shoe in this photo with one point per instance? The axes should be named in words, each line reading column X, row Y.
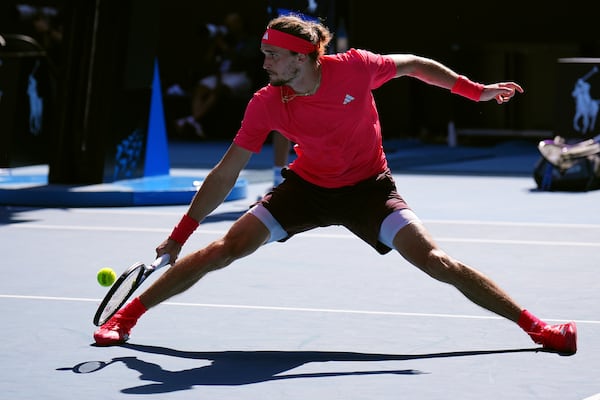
column 562, row 337
column 115, row 331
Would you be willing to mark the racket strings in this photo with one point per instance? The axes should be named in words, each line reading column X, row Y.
column 121, row 293
column 124, row 287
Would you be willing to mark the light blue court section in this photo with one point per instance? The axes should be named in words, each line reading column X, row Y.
column 29, row 186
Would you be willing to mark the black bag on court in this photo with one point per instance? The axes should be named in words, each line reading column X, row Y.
column 583, row 175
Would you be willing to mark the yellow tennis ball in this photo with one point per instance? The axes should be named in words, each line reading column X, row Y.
column 106, row 276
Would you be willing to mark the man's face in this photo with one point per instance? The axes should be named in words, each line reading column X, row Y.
column 280, row 64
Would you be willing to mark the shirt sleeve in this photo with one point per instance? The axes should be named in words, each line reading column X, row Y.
column 255, row 127
column 380, row 67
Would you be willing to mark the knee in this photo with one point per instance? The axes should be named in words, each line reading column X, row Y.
column 442, row 267
column 228, row 249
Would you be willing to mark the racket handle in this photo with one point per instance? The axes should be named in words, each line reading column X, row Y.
column 160, row 261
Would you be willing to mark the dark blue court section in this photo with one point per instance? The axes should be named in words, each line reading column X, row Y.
column 322, row 316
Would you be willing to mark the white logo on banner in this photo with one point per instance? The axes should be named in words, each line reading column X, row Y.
column 586, row 108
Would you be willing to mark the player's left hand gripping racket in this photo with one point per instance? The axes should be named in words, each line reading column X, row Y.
column 124, row 287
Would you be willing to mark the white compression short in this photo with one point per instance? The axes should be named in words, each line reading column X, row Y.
column 390, row 226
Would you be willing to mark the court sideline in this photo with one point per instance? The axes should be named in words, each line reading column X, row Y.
column 322, row 316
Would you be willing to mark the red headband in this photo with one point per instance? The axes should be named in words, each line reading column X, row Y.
column 287, row 41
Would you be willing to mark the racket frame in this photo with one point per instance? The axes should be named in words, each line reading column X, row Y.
column 142, row 272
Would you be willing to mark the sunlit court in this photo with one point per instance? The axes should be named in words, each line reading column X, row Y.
column 132, row 130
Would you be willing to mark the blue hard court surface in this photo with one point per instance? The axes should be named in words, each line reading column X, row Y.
column 322, row 316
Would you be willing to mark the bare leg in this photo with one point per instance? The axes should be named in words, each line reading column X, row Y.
column 203, row 99
column 245, row 236
column 416, row 245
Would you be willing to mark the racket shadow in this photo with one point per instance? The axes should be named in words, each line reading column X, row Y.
column 235, row 368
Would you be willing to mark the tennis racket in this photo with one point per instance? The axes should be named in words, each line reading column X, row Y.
column 124, row 287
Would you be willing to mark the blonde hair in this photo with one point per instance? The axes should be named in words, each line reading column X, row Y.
column 314, row 32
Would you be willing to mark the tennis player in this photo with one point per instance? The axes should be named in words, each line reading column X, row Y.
column 324, row 104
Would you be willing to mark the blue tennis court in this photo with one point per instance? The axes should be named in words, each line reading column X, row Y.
column 322, row 316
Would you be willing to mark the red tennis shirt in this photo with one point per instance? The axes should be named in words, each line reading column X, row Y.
column 336, row 131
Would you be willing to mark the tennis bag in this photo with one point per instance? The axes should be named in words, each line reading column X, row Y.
column 583, row 175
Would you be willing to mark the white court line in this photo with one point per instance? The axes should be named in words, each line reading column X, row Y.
column 426, row 221
column 307, row 234
column 511, row 223
column 291, row 309
column 520, row 242
column 593, row 397
column 91, row 228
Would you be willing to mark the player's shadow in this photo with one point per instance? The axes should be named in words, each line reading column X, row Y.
column 233, row 368
column 12, row 215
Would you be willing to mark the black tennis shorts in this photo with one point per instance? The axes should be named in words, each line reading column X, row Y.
column 300, row 206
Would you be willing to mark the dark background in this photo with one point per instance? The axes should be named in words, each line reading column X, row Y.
column 491, row 41
column 488, row 41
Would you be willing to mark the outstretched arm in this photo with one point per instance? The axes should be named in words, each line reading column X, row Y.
column 219, row 182
column 213, row 191
column 437, row 74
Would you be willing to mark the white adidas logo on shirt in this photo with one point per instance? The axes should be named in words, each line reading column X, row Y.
column 348, row 99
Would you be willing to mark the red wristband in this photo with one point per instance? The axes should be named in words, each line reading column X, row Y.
column 184, row 229
column 467, row 88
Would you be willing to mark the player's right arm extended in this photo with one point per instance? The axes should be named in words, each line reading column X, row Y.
column 219, row 182
column 213, row 191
